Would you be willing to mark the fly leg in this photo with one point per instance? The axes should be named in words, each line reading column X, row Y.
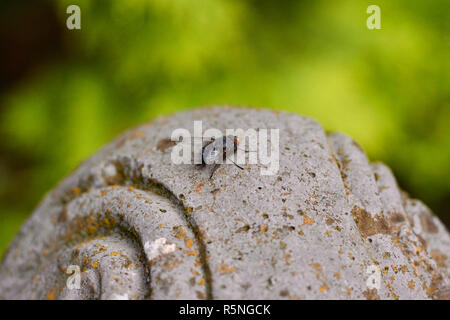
column 216, row 166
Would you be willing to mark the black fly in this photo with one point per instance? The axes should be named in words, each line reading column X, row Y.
column 216, row 151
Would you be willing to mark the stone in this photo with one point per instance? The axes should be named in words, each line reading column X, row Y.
column 329, row 225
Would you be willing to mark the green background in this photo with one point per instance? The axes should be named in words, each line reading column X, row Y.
column 64, row 93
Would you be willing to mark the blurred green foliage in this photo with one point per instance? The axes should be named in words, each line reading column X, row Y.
column 134, row 60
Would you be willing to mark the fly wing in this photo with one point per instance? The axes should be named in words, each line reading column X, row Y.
column 213, row 152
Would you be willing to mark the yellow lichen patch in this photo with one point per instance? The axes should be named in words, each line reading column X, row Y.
column 323, row 288
column 264, row 228
column 199, row 187
column 95, row 264
column 106, row 223
column 201, row 282
column 189, row 243
column 385, row 270
column 411, row 284
column 436, row 290
column 101, row 194
column 415, row 267
column 307, row 220
column 287, row 256
column 91, row 229
column 115, row 253
column 318, row 272
column 337, row 275
column 51, row 294
column 80, row 245
column 418, row 250
column 224, row 268
column 386, row 255
column 316, row 266
column 403, row 269
column 180, row 233
column 391, row 291
column 76, row 191
column 100, row 248
column 195, row 272
column 371, row 294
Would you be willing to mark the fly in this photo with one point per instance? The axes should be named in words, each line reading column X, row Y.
column 216, row 151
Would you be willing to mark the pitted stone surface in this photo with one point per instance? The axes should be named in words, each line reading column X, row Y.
column 140, row 227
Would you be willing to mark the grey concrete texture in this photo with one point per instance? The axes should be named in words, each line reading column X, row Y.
column 141, row 227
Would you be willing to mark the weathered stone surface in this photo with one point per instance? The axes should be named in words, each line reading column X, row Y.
column 139, row 226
